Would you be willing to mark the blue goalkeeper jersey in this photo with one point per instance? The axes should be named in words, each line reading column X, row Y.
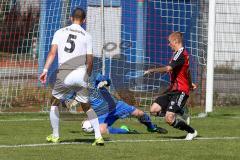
column 102, row 101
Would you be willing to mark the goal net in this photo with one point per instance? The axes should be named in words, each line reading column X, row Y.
column 227, row 56
column 128, row 38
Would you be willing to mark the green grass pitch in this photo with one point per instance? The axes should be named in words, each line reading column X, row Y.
column 22, row 137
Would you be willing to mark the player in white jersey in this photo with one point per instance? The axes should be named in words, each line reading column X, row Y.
column 74, row 48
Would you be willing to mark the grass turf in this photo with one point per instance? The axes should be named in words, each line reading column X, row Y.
column 28, row 129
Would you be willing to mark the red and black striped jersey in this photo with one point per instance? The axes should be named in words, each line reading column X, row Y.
column 179, row 76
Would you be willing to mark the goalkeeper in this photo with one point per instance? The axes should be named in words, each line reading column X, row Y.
column 110, row 108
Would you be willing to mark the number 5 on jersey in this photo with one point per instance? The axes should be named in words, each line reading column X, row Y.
column 70, row 40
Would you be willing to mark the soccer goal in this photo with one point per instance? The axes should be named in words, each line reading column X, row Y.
column 128, row 38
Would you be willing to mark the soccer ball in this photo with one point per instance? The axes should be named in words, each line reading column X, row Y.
column 87, row 127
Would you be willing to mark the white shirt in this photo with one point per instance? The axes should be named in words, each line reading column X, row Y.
column 72, row 41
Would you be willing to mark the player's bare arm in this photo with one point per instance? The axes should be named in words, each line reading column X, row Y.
column 89, row 64
column 192, row 85
column 50, row 58
column 161, row 70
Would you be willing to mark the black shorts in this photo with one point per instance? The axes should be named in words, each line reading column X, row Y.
column 172, row 101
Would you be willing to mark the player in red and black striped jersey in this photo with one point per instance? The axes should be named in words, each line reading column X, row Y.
column 173, row 100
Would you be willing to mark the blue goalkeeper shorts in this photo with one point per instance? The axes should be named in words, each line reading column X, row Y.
column 122, row 110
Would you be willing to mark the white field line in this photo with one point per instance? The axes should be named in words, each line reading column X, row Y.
column 132, row 118
column 20, row 120
column 116, row 141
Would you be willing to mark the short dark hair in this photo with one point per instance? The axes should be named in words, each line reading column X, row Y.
column 78, row 13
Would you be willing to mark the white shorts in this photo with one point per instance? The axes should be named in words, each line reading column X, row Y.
column 69, row 81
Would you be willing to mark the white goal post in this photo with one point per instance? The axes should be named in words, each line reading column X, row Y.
column 210, row 56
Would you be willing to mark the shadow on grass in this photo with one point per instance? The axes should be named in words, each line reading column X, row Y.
column 78, row 140
column 74, row 132
column 83, row 140
column 173, row 137
column 216, row 115
column 228, row 115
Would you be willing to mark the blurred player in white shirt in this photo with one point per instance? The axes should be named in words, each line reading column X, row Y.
column 74, row 48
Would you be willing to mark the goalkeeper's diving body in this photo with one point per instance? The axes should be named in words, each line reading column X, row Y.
column 110, row 108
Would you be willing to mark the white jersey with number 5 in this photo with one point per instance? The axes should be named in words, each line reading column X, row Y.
column 73, row 44
column 72, row 41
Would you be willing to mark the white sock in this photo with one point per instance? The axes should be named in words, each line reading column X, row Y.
column 92, row 117
column 54, row 119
